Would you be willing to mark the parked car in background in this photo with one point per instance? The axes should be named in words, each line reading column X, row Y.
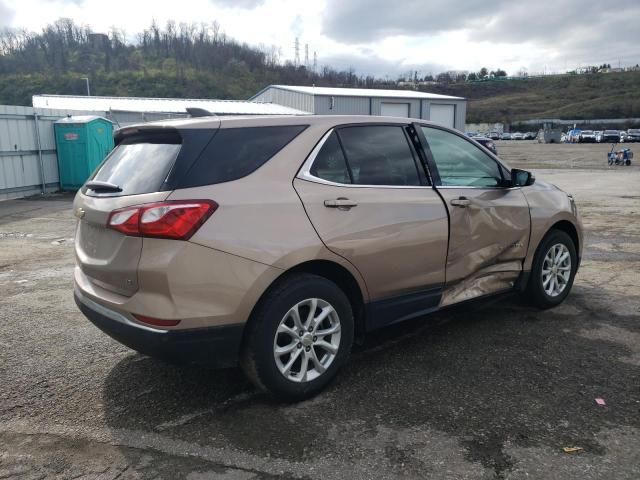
column 251, row 240
column 494, row 135
column 573, row 136
column 598, row 135
column 587, row 136
column 623, row 136
column 505, row 136
column 487, row 143
column 611, row 136
column 517, row 136
column 472, row 134
column 633, row 135
column 529, row 136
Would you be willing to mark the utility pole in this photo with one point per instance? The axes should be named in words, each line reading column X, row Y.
column 296, row 61
column 315, row 61
column 306, row 55
column 86, row 79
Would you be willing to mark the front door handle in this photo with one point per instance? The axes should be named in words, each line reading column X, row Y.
column 461, row 202
column 343, row 203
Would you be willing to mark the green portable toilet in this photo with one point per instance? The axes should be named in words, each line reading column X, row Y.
column 82, row 143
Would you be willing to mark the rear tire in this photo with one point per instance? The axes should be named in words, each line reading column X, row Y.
column 299, row 337
column 553, row 270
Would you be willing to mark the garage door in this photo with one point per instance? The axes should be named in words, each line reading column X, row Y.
column 443, row 115
column 394, row 109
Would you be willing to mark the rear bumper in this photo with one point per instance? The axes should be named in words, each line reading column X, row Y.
column 217, row 347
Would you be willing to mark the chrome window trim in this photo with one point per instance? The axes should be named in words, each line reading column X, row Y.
column 111, row 314
column 476, row 187
column 305, row 171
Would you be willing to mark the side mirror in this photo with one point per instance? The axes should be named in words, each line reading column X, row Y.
column 521, row 178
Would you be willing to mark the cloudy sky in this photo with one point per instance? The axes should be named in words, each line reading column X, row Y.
column 385, row 37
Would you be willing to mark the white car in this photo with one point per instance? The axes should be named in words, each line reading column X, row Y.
column 587, row 136
column 517, row 136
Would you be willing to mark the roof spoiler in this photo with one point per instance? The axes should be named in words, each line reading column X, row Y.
column 147, row 134
column 199, row 112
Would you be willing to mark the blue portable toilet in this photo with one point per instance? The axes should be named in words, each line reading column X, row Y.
column 82, row 143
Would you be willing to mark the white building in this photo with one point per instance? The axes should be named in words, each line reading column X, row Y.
column 127, row 110
column 443, row 109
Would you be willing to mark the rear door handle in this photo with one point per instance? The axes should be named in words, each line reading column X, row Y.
column 340, row 203
column 461, row 202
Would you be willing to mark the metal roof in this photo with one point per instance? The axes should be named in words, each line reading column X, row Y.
column 360, row 92
column 160, row 105
column 81, row 119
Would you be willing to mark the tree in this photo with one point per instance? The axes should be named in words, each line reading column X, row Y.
column 500, row 73
column 444, row 77
column 472, row 77
column 483, row 72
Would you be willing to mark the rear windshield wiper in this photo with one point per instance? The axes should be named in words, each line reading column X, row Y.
column 97, row 186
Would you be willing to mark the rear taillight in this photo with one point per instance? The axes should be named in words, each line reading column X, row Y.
column 176, row 220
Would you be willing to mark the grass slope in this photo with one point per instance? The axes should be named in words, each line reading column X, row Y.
column 605, row 95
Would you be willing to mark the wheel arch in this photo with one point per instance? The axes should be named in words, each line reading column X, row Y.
column 570, row 229
column 563, row 223
column 335, row 273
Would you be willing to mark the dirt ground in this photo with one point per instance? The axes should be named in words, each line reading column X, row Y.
column 533, row 155
column 484, row 392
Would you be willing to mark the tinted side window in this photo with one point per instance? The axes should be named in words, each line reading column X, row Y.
column 379, row 155
column 460, row 162
column 236, row 152
column 330, row 163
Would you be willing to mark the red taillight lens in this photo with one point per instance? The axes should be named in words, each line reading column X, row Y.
column 125, row 220
column 158, row 322
column 177, row 220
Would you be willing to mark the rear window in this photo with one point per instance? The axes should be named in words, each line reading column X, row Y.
column 236, row 152
column 136, row 166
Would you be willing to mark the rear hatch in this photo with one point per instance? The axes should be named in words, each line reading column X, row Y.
column 141, row 169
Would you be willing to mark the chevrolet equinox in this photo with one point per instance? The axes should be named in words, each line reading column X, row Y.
column 273, row 242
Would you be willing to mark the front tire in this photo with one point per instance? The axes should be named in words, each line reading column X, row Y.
column 299, row 337
column 553, row 271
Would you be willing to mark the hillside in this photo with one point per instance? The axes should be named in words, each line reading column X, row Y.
column 603, row 95
column 202, row 62
column 196, row 61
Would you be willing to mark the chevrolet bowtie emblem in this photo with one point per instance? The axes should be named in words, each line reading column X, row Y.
column 80, row 212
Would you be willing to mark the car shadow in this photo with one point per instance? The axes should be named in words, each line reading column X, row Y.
column 485, row 375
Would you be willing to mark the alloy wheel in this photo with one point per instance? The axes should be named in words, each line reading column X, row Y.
column 556, row 270
column 307, row 340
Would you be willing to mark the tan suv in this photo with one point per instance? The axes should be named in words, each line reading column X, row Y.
column 272, row 242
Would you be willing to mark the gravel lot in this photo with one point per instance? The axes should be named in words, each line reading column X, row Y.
column 477, row 392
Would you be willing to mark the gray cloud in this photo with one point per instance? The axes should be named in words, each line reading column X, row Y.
column 546, row 22
column 370, row 20
column 6, row 15
column 246, row 4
